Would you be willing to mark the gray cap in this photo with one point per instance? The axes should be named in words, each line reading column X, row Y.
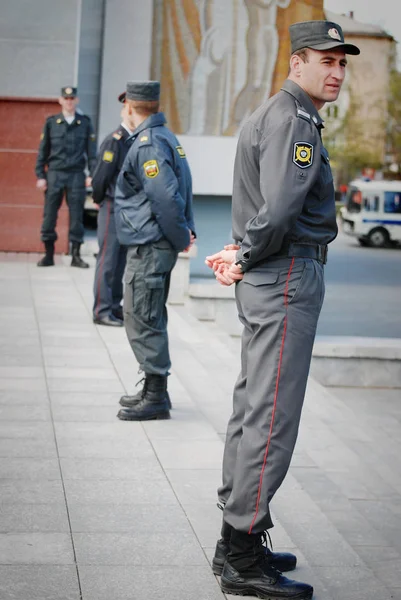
column 319, row 35
column 143, row 90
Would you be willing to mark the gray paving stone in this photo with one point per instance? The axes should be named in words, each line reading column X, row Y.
column 86, row 385
column 26, row 430
column 44, row 518
column 15, row 397
column 22, row 372
column 89, row 414
column 129, row 518
column 195, row 486
column 26, row 385
column 381, row 517
column 39, row 582
column 21, row 359
column 82, row 373
column 90, row 399
column 93, row 447
column 36, row 549
column 353, row 583
column 185, row 424
column 151, row 549
column 123, row 430
column 189, row 455
column 129, row 468
column 31, row 492
column 153, row 490
column 27, row 448
column 29, row 468
column 140, row 583
column 21, row 412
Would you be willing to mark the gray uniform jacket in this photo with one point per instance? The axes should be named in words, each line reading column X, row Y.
column 283, row 185
column 153, row 197
column 65, row 147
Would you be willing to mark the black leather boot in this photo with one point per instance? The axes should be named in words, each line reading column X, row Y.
column 133, row 400
column 282, row 561
column 248, row 572
column 152, row 405
column 76, row 258
column 48, row 258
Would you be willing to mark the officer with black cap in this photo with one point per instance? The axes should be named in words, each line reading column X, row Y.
column 111, row 258
column 153, row 212
column 283, row 217
column 67, row 146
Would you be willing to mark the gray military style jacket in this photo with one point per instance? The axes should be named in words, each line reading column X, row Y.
column 283, row 185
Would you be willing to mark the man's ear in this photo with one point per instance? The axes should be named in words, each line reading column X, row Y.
column 295, row 64
column 60, row 100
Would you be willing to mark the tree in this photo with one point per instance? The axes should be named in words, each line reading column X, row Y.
column 393, row 145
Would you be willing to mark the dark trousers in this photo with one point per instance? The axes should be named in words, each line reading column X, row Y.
column 147, row 283
column 110, row 264
column 73, row 186
column 279, row 305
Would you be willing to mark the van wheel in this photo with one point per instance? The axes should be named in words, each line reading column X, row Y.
column 378, row 238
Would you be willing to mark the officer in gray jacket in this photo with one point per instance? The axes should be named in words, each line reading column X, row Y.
column 154, row 219
column 283, row 218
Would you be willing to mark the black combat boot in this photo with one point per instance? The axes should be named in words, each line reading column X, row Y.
column 248, row 572
column 48, row 259
column 76, row 258
column 282, row 561
column 133, row 400
column 153, row 403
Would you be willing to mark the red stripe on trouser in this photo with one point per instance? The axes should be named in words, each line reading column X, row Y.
column 99, row 279
column 275, row 397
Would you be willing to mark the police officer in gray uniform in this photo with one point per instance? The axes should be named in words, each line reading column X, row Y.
column 111, row 258
column 283, row 217
column 153, row 212
column 67, row 145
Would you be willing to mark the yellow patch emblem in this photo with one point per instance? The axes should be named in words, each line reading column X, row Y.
column 59, row 121
column 303, row 154
column 144, row 138
column 181, row 151
column 42, row 135
column 151, row 169
column 108, row 156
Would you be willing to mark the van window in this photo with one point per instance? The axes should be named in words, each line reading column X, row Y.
column 392, row 202
column 354, row 200
column 376, row 204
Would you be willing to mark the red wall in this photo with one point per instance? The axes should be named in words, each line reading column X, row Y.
column 21, row 204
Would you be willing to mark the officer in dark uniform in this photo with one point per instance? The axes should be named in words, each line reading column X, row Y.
column 67, row 146
column 111, row 258
column 153, row 212
column 283, row 217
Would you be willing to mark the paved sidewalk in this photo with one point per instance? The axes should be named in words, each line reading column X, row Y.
column 99, row 509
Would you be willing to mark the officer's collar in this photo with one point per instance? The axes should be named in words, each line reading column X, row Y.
column 299, row 94
column 152, row 121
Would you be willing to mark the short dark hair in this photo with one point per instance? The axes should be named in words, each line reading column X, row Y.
column 145, row 107
column 303, row 54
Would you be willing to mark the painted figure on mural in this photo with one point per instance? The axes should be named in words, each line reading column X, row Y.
column 227, row 53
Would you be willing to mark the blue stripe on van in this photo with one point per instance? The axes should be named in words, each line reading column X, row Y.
column 381, row 221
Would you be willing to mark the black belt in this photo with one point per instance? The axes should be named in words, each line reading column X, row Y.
column 316, row 251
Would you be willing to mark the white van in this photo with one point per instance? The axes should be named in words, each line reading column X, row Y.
column 372, row 212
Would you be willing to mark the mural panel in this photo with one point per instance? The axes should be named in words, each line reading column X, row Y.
column 218, row 60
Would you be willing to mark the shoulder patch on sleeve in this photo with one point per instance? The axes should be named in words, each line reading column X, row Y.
column 303, row 114
column 303, row 154
column 108, row 156
column 117, row 135
column 181, row 151
column 151, row 169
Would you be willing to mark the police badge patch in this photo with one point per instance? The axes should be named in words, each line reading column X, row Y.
column 151, row 169
column 303, row 154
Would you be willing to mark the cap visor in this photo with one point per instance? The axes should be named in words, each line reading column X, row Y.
column 121, row 97
column 348, row 48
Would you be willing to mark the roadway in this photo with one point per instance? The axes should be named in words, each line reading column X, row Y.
column 363, row 291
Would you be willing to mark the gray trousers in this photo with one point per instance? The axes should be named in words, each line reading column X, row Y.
column 110, row 264
column 73, row 186
column 147, row 283
column 279, row 305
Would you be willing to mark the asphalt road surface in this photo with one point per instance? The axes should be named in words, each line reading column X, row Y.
column 363, row 291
